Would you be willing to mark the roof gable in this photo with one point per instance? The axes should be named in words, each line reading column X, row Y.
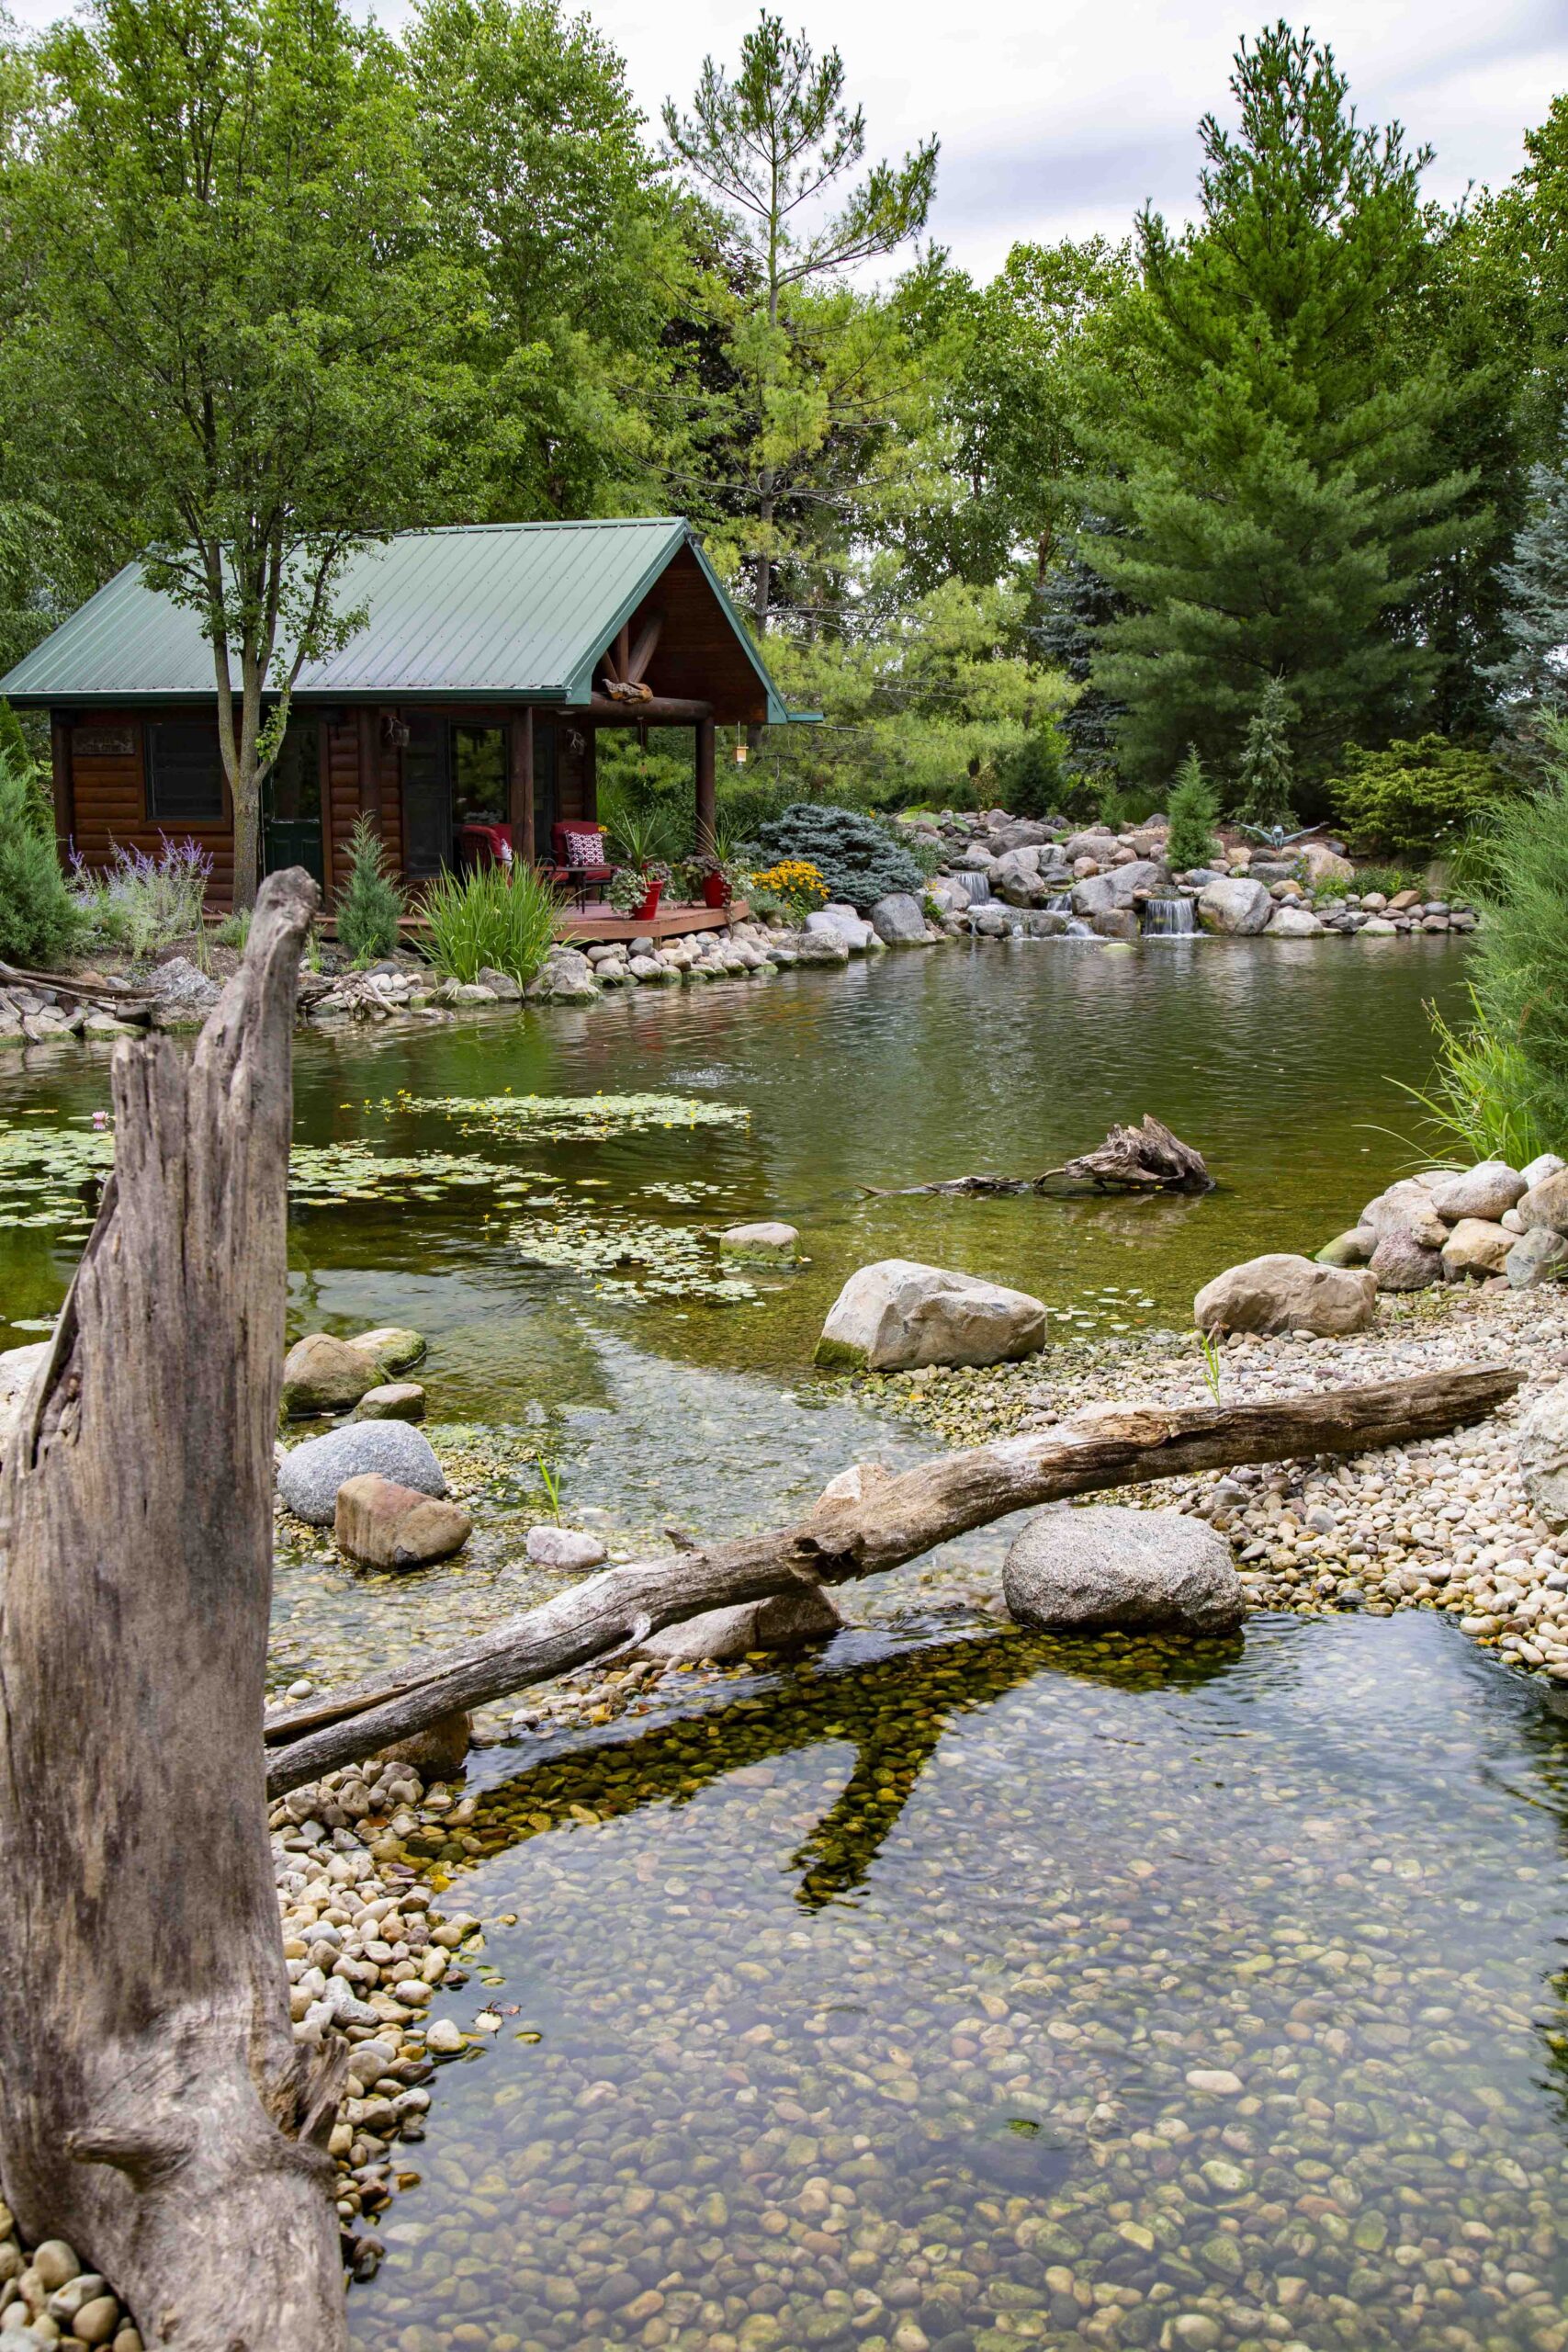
column 520, row 610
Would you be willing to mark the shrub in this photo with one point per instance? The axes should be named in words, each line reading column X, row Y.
column 370, row 904
column 1411, row 799
column 1194, row 811
column 794, row 887
column 503, row 916
column 39, row 919
column 1029, row 775
column 142, row 903
column 857, row 859
column 1266, row 777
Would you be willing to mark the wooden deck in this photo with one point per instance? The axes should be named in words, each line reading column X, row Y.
column 670, row 922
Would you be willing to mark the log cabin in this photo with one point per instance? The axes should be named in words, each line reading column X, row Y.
column 471, row 700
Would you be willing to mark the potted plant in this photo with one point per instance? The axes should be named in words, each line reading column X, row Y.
column 635, row 889
column 707, row 877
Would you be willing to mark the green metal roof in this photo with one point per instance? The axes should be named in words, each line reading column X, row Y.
column 516, row 609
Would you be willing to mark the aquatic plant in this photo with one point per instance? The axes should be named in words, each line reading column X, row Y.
column 629, row 1258
column 497, row 918
column 578, row 1118
column 1208, row 1349
column 371, row 903
column 144, row 902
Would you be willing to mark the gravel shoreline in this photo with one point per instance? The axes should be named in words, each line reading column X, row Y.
column 1444, row 1524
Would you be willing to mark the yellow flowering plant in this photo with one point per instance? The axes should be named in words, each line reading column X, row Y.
column 796, row 882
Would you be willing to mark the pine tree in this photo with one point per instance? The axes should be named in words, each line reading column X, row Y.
column 1531, row 684
column 1274, row 478
column 1074, row 605
column 1266, row 773
column 370, row 904
column 1193, row 809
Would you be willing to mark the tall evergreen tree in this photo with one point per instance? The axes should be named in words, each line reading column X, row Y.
column 1278, row 493
column 1532, row 683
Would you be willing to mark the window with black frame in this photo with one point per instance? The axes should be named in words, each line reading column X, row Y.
column 184, row 772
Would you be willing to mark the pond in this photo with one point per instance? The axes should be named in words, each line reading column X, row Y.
column 957, row 1988
column 964, row 1991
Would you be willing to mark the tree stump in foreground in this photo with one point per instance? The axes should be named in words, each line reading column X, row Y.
column 153, row 2106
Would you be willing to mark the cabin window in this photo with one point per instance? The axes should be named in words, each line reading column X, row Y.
column 184, row 772
column 479, row 775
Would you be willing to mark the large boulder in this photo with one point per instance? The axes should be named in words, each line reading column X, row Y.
column 1485, row 1191
column 566, row 977
column 1402, row 1263
column 820, row 947
column 842, row 920
column 1236, row 908
column 308, row 1475
column 1537, row 1256
column 1546, row 1204
column 1099, row 842
column 394, row 1347
column 1537, row 1170
column 399, row 1401
column 1101, row 893
column 18, row 1366
column 1542, row 1444
column 1282, row 1293
column 1406, row 1207
column 786, row 1622
column 321, row 1375
column 770, row 1243
column 1352, row 1247
column 898, row 1313
column 1319, row 863
column 386, row 1526
column 1294, row 923
column 1477, row 1245
column 184, row 995
column 899, row 919
column 1105, row 1565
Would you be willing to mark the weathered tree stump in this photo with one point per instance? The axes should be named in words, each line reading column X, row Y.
column 153, row 2110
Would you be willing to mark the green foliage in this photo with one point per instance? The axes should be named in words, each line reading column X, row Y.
column 143, row 900
column 370, row 904
column 1531, row 682
column 1193, row 808
column 813, row 368
column 1278, row 493
column 234, row 930
column 1519, row 963
column 243, row 320
column 1477, row 1103
column 1029, row 773
column 1266, row 772
column 500, row 916
column 1413, row 798
column 39, row 922
column 857, row 859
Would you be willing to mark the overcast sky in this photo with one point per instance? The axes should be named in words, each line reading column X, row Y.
column 1059, row 120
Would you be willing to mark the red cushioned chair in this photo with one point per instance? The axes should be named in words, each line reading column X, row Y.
column 579, row 869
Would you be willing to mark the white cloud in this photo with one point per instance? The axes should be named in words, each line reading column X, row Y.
column 1058, row 121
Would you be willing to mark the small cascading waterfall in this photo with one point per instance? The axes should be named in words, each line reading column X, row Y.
column 1060, row 902
column 979, row 888
column 1168, row 919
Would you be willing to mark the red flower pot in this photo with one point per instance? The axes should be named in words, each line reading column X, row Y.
column 649, row 905
column 715, row 890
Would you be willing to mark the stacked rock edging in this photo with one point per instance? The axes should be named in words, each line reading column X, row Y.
column 1491, row 1222
column 1004, row 876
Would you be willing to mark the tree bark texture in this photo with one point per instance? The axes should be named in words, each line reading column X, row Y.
column 153, row 2106
column 880, row 1524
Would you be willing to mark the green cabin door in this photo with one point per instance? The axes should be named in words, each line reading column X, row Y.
column 292, row 803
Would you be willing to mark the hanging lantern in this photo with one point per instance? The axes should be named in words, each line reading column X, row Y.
column 740, row 752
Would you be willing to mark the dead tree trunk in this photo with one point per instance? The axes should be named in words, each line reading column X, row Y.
column 152, row 2110
column 882, row 1523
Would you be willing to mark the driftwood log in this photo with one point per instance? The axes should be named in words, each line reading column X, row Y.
column 877, row 1522
column 1146, row 1159
column 153, row 2107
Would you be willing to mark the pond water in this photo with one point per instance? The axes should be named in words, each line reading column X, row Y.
column 957, row 1988
column 967, row 1991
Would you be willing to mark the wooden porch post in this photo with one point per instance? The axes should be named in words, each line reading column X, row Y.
column 707, row 806
column 368, row 721
column 65, row 794
column 591, row 773
column 520, row 783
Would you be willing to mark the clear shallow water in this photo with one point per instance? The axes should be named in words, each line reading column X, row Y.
column 991, row 1989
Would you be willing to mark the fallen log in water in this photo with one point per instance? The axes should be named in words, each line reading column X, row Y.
column 1146, row 1159
column 154, row 2109
column 873, row 1524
